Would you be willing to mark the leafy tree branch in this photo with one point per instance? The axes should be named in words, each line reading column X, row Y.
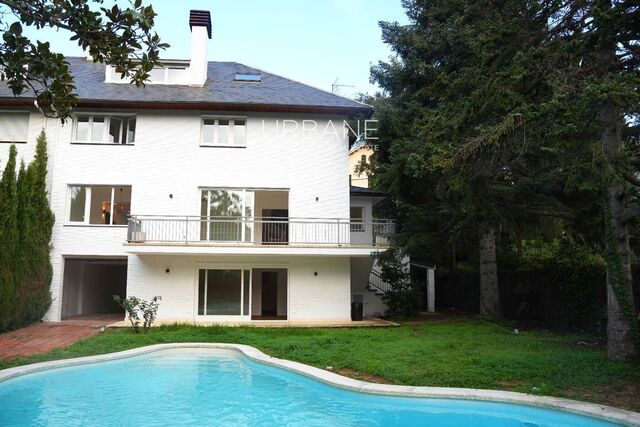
column 120, row 37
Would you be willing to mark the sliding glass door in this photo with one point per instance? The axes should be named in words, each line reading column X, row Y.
column 227, row 215
column 224, row 292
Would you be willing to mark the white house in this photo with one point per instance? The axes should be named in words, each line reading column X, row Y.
column 220, row 187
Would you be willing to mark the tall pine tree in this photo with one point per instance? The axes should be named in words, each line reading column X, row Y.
column 463, row 156
column 596, row 61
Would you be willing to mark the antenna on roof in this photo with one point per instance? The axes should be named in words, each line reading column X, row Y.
column 335, row 87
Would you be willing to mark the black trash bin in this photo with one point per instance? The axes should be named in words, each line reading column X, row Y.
column 356, row 311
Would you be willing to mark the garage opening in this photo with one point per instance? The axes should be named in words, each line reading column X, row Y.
column 89, row 285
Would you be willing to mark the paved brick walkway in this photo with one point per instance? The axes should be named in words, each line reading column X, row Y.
column 45, row 336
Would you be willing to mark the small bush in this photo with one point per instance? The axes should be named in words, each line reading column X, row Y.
column 404, row 297
column 135, row 308
column 149, row 311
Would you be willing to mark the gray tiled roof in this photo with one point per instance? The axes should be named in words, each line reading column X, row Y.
column 365, row 192
column 220, row 88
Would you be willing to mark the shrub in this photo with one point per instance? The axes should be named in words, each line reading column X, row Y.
column 149, row 311
column 135, row 308
column 403, row 299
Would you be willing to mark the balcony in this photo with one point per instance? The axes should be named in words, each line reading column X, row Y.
column 258, row 232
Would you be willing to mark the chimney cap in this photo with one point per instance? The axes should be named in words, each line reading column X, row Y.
column 200, row 18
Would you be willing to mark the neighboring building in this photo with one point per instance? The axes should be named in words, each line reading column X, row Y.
column 360, row 153
column 196, row 188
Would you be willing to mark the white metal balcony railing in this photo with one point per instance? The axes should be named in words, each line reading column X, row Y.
column 258, row 230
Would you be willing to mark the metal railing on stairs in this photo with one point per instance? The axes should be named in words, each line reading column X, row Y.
column 376, row 283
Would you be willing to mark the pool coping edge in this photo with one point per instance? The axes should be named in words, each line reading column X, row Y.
column 603, row 412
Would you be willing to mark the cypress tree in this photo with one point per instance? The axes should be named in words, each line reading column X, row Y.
column 26, row 223
column 40, row 230
column 21, row 256
column 8, row 240
column 35, row 221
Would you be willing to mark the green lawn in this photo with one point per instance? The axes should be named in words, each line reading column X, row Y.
column 466, row 353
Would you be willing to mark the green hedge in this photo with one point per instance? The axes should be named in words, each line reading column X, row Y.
column 26, row 223
column 572, row 298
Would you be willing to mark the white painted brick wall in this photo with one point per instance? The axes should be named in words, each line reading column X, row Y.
column 326, row 296
column 310, row 297
column 167, row 159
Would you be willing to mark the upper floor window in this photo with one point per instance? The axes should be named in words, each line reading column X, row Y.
column 168, row 74
column 14, row 127
column 224, row 132
column 172, row 72
column 104, row 129
column 99, row 204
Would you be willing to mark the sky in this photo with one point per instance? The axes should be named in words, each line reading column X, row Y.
column 317, row 42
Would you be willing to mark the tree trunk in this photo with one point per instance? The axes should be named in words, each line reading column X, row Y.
column 489, row 290
column 621, row 322
column 621, row 343
column 454, row 260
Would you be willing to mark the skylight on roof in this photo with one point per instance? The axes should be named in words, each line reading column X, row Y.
column 248, row 77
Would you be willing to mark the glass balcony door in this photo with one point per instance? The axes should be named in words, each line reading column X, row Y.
column 227, row 215
column 224, row 292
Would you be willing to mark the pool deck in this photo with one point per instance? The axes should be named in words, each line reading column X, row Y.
column 602, row 412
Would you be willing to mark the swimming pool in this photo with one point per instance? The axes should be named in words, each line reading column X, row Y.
column 200, row 386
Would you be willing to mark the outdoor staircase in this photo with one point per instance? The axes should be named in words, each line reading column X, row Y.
column 376, row 284
column 378, row 287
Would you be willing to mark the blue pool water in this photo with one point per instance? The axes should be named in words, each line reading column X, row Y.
column 223, row 388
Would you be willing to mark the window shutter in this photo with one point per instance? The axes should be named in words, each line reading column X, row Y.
column 14, row 127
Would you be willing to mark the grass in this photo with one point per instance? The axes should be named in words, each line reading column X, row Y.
column 465, row 353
